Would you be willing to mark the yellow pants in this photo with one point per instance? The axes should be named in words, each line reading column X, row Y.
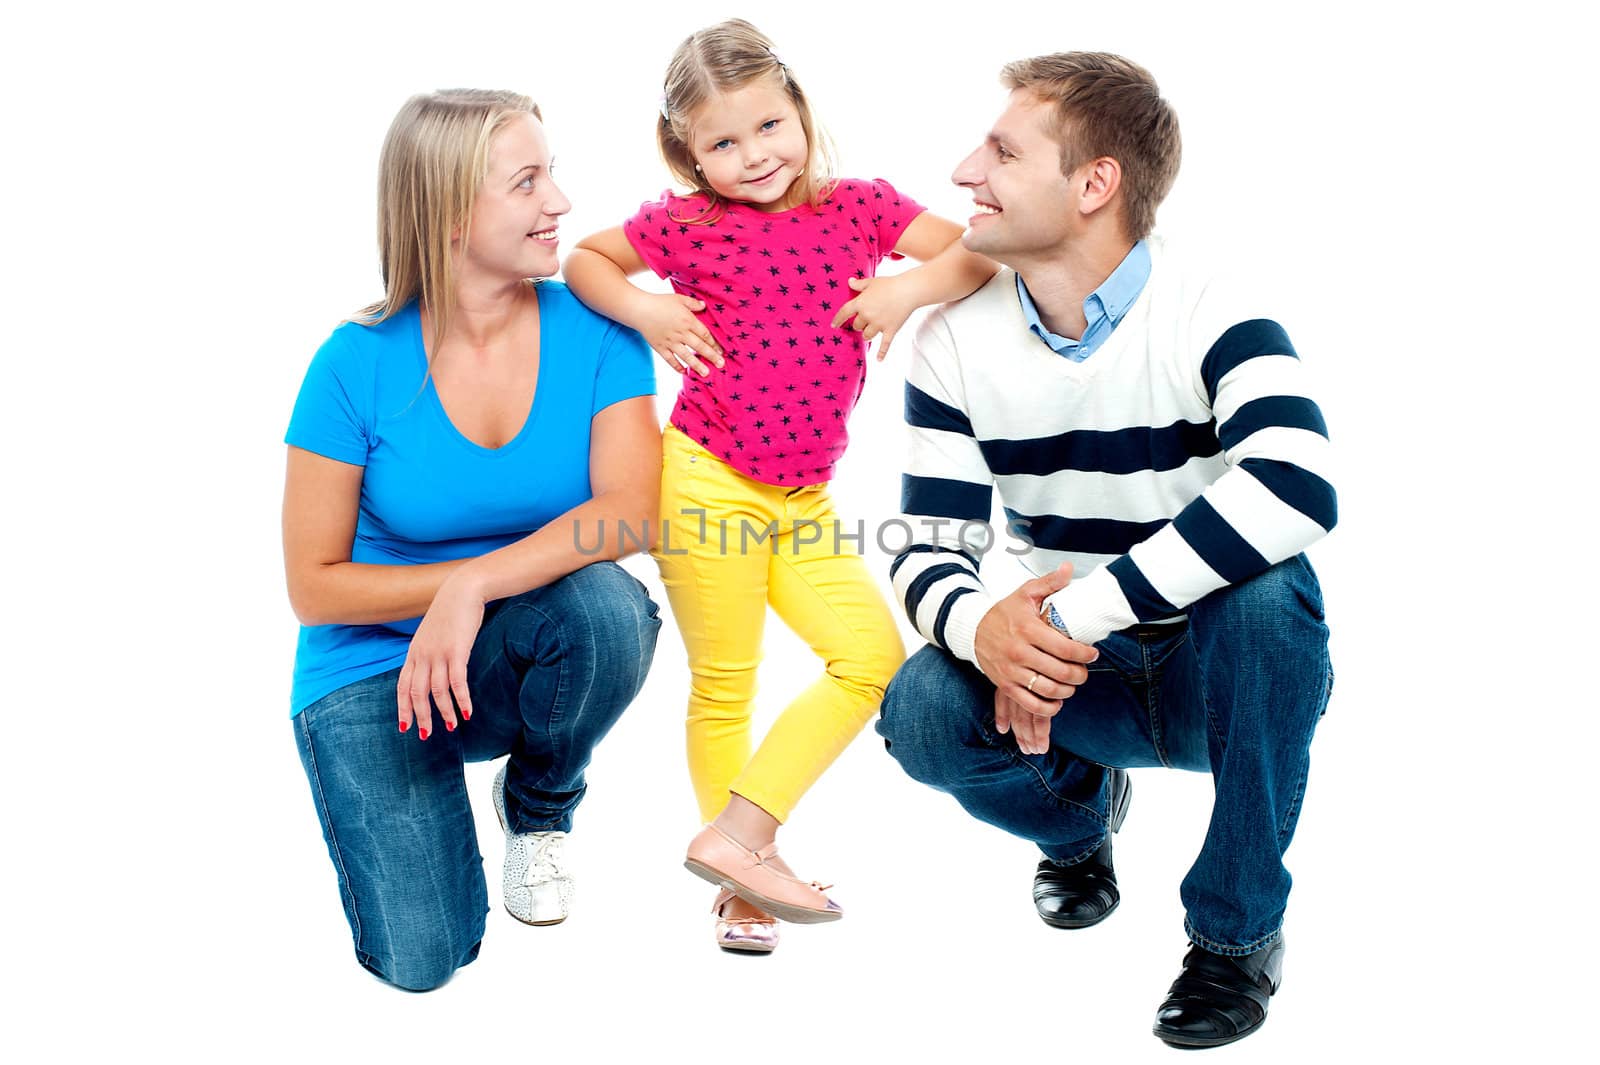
column 719, row 585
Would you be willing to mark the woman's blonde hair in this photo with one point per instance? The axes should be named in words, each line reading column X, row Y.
column 433, row 162
column 725, row 58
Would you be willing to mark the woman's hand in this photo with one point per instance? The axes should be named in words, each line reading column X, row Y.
column 668, row 324
column 436, row 663
column 881, row 309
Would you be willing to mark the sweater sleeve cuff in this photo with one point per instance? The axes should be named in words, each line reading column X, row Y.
column 1092, row 608
column 961, row 627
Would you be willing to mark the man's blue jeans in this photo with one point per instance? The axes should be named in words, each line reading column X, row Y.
column 550, row 673
column 1237, row 691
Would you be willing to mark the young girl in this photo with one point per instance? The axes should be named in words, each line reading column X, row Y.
column 764, row 257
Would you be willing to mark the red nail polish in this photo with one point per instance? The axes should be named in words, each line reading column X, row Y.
column 466, row 715
column 422, row 733
column 449, row 726
column 404, row 725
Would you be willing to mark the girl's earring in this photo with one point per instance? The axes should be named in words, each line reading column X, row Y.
column 697, row 168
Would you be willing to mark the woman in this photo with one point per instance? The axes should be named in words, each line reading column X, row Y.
column 466, row 459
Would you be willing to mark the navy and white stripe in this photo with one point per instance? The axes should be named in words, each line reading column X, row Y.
column 947, row 484
column 1180, row 459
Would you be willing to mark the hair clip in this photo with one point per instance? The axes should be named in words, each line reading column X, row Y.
column 662, row 104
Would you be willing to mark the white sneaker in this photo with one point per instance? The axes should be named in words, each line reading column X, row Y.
column 535, row 883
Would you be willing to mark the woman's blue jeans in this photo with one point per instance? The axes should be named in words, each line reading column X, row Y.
column 1237, row 691
column 550, row 673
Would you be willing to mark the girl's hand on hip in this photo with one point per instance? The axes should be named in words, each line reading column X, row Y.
column 881, row 309
column 436, row 663
column 668, row 324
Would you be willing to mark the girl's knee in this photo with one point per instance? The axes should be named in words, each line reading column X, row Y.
column 871, row 665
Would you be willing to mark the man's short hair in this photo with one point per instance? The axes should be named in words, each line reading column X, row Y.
column 1107, row 105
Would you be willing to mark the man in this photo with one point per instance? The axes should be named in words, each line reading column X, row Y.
column 1162, row 466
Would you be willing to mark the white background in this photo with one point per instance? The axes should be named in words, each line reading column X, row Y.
column 189, row 210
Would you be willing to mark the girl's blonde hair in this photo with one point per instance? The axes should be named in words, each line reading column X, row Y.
column 725, row 58
column 434, row 160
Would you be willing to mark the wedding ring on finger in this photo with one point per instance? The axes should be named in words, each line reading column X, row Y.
column 1032, row 681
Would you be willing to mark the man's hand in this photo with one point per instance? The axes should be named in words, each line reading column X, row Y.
column 1033, row 667
column 1031, row 731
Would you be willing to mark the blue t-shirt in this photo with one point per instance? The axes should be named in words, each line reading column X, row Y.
column 428, row 494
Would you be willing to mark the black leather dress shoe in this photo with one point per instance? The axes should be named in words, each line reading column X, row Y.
column 1081, row 895
column 1218, row 999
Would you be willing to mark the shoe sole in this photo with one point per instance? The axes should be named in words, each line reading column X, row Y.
column 1058, row 923
column 535, row 924
column 499, row 815
column 730, row 949
column 1182, row 1042
column 784, row 911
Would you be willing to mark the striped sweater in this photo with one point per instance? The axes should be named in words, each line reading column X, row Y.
column 1184, row 456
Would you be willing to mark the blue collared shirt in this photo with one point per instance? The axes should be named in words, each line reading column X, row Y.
column 1103, row 308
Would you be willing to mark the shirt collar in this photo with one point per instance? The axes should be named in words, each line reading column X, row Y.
column 1110, row 301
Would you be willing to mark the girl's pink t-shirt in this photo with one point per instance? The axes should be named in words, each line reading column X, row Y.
column 772, row 282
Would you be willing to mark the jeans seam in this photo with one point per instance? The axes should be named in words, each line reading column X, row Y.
column 1292, row 813
column 1044, row 786
column 562, row 692
column 321, row 801
column 1152, row 705
column 1211, row 715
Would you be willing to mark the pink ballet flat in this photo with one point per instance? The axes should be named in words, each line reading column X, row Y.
column 718, row 857
column 743, row 935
